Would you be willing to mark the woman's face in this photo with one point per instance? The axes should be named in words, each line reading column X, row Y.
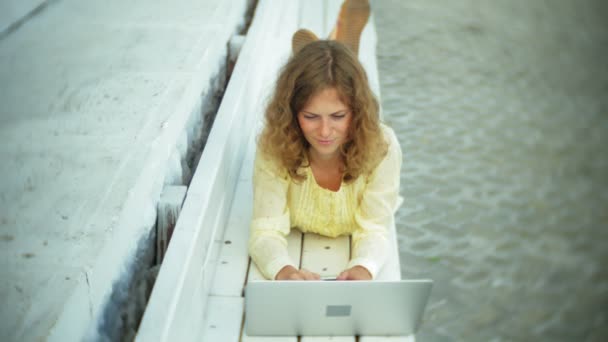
column 325, row 122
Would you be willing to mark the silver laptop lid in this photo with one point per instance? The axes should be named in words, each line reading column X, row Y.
column 335, row 308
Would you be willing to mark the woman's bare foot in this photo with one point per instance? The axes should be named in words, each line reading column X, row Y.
column 301, row 38
column 351, row 21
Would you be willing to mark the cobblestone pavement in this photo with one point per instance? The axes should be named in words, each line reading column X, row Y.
column 501, row 108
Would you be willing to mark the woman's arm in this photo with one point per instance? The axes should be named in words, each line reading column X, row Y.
column 375, row 213
column 270, row 221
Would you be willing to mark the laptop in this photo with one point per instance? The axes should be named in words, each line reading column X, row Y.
column 335, row 308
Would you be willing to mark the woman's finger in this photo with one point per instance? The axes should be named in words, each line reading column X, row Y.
column 314, row 276
column 309, row 275
column 296, row 276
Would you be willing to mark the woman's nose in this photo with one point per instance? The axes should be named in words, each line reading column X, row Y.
column 325, row 128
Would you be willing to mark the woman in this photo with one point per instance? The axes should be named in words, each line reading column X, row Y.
column 324, row 163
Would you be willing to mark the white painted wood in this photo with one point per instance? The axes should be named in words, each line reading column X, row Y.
column 312, row 16
column 328, row 338
column 233, row 261
column 247, row 338
column 325, row 256
column 234, row 47
column 332, row 9
column 387, row 338
column 186, row 274
column 169, row 207
column 367, row 56
column 226, row 322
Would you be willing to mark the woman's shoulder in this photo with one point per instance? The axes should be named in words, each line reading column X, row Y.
column 389, row 135
column 393, row 147
column 269, row 163
column 391, row 162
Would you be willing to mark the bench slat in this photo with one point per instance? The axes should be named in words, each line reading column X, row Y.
column 225, row 323
column 409, row 338
column 332, row 9
column 312, row 16
column 247, row 338
column 328, row 338
column 325, row 256
column 233, row 260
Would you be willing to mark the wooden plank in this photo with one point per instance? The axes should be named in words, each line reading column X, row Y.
column 325, row 256
column 367, row 56
column 226, row 321
column 312, row 17
column 331, row 11
column 247, row 338
column 409, row 338
column 233, row 260
column 328, row 338
column 169, row 207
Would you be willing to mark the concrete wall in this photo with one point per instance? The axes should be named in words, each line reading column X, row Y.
column 103, row 103
column 14, row 12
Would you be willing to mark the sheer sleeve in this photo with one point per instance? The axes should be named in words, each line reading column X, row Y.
column 270, row 222
column 375, row 212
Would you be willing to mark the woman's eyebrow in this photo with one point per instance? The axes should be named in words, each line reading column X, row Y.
column 338, row 112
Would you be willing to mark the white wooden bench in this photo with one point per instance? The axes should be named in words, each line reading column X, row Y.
column 199, row 291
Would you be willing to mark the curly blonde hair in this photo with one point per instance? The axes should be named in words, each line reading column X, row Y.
column 317, row 66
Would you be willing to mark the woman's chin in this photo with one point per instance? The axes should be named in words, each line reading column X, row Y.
column 325, row 151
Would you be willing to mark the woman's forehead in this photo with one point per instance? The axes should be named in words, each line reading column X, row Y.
column 327, row 98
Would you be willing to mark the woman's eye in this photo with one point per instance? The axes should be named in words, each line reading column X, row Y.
column 309, row 116
column 339, row 116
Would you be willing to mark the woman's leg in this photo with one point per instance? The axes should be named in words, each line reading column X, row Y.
column 351, row 20
column 301, row 38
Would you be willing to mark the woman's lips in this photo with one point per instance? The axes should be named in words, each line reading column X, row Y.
column 325, row 142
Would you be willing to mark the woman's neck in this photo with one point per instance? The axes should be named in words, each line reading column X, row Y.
column 325, row 162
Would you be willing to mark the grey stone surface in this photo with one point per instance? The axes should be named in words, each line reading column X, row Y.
column 501, row 108
column 102, row 103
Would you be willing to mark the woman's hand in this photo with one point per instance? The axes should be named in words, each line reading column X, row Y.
column 355, row 273
column 292, row 273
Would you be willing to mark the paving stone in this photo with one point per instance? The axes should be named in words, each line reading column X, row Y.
column 441, row 231
column 500, row 111
column 410, row 232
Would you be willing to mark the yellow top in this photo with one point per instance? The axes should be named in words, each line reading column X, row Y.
column 363, row 208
